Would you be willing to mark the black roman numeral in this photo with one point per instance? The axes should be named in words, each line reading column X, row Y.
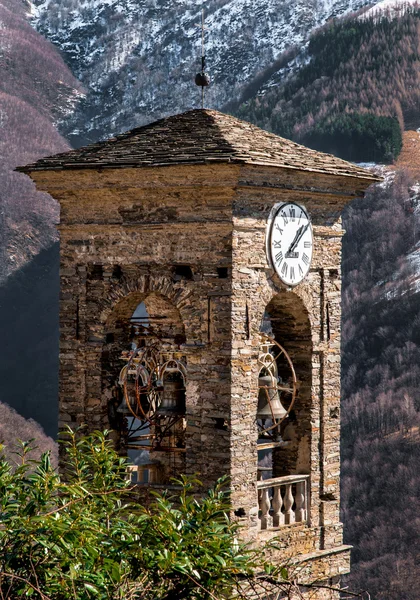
column 285, row 219
column 305, row 259
column 292, row 214
column 292, row 273
column 307, row 244
column 300, row 270
column 277, row 244
column 284, row 269
column 279, row 257
column 278, row 228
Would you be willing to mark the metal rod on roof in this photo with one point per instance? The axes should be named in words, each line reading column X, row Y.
column 202, row 37
column 202, row 79
column 203, row 57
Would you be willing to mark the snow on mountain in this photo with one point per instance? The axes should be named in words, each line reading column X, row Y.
column 138, row 58
column 390, row 8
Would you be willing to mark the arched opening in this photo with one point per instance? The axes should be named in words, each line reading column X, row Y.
column 286, row 322
column 143, row 381
column 277, row 393
column 284, row 412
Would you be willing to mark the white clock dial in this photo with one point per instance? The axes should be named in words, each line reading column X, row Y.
column 291, row 243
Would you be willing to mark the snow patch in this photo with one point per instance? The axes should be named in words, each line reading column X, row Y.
column 383, row 171
column 390, row 9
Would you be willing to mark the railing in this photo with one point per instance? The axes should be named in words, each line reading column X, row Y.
column 143, row 474
column 283, row 501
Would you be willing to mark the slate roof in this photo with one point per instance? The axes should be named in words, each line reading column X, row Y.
column 198, row 137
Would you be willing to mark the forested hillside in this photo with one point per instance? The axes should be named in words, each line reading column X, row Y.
column 352, row 92
column 380, row 390
column 358, row 88
column 36, row 91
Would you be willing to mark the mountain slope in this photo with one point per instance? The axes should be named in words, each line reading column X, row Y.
column 36, row 91
column 357, row 87
column 29, row 333
column 380, row 391
column 14, row 427
column 138, row 59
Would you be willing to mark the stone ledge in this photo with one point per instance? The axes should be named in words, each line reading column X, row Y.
column 323, row 553
column 322, row 564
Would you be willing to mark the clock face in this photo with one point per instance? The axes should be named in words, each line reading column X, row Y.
column 290, row 243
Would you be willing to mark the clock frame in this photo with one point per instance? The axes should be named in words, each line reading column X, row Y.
column 289, row 242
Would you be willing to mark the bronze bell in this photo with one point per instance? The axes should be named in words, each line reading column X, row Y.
column 124, row 409
column 269, row 404
column 173, row 399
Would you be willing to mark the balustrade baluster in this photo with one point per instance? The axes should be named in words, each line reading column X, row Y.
column 288, row 503
column 131, row 469
column 270, row 509
column 278, row 518
column 300, row 512
column 152, row 474
column 140, row 474
column 265, row 505
column 129, row 474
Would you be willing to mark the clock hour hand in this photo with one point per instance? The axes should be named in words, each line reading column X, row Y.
column 298, row 236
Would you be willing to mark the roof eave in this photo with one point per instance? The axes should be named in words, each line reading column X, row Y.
column 28, row 169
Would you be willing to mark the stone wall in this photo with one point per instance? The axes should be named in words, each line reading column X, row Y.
column 125, row 233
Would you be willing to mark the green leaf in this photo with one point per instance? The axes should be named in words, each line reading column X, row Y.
column 92, row 588
column 84, row 542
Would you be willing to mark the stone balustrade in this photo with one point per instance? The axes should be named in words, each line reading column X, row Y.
column 143, row 474
column 283, row 501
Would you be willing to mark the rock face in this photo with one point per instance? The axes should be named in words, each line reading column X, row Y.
column 138, row 59
column 127, row 228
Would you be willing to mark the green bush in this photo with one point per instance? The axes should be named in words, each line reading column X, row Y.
column 82, row 536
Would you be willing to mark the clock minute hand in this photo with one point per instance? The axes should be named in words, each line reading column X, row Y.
column 298, row 237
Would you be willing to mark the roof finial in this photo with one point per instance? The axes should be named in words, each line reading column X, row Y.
column 202, row 79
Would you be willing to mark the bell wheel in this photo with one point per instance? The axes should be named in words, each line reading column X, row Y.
column 277, row 387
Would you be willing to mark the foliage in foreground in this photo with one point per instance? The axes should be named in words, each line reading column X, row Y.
column 81, row 537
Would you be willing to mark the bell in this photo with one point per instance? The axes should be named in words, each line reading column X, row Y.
column 124, row 409
column 173, row 399
column 269, row 404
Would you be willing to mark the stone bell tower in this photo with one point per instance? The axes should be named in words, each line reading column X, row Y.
column 170, row 267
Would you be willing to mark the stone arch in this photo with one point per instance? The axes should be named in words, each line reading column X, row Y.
column 286, row 317
column 302, row 295
column 123, row 296
column 164, row 316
